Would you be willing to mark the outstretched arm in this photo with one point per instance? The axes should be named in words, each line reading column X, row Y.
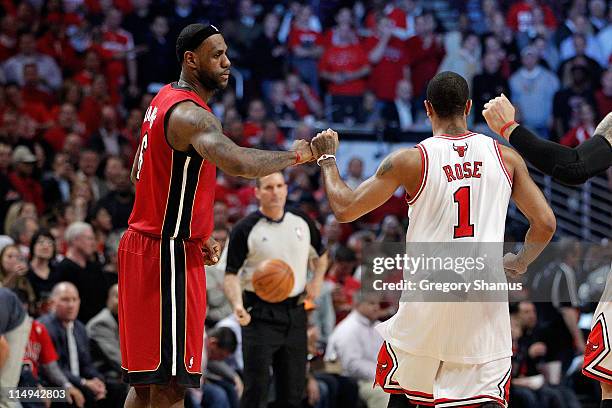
column 347, row 204
column 568, row 165
column 192, row 125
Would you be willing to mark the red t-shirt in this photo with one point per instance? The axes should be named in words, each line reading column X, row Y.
column 348, row 58
column 520, row 17
column 397, row 15
column 30, row 190
column 305, row 38
column 40, row 348
column 61, row 50
column 389, row 70
column 299, row 103
column 56, row 137
column 424, row 62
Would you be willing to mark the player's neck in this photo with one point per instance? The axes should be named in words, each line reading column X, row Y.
column 450, row 127
column 196, row 87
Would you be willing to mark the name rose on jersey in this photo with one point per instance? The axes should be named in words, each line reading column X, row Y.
column 460, row 171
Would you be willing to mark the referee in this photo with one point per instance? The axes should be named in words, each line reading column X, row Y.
column 273, row 334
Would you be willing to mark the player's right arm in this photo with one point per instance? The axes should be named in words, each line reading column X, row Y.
column 532, row 203
column 190, row 125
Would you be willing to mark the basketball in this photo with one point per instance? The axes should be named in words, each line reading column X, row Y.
column 273, row 280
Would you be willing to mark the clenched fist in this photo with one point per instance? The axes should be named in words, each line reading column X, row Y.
column 325, row 142
column 497, row 112
column 302, row 148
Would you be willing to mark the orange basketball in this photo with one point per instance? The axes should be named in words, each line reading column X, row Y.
column 273, row 280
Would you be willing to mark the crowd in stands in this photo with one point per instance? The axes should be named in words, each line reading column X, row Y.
column 76, row 78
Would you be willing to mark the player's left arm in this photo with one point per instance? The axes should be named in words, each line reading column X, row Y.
column 347, row 204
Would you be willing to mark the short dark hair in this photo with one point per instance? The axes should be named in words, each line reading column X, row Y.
column 191, row 37
column 43, row 232
column 448, row 92
column 226, row 339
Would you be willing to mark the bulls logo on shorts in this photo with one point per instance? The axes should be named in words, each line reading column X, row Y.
column 597, row 360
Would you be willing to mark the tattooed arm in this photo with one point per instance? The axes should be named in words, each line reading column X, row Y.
column 399, row 168
column 190, row 125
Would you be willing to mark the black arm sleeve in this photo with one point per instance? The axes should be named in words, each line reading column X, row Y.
column 567, row 165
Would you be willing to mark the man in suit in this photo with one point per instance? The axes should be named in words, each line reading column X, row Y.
column 72, row 343
column 103, row 330
column 400, row 115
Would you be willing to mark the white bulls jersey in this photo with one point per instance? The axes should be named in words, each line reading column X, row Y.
column 463, row 197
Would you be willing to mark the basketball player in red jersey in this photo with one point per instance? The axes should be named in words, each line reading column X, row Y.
column 162, row 290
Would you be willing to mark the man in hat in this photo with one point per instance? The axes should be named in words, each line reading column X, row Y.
column 23, row 180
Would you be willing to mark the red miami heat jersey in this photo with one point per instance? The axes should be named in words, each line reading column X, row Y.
column 175, row 190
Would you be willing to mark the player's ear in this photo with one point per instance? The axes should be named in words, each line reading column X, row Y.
column 190, row 59
column 468, row 107
column 428, row 108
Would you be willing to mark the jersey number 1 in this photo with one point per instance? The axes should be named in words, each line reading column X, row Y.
column 463, row 229
column 143, row 147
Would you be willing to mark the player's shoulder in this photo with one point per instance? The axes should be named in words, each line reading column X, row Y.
column 189, row 114
column 407, row 157
column 511, row 157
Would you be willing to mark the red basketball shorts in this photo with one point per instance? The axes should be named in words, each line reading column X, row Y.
column 162, row 307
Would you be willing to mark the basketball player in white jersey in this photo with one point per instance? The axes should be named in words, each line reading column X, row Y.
column 570, row 166
column 458, row 187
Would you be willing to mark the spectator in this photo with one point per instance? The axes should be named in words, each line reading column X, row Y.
column 108, row 139
column 14, row 329
column 487, row 86
column 119, row 202
column 159, row 50
column 89, row 160
column 268, row 55
column 72, row 343
column 354, row 174
column 40, row 355
column 42, row 272
column 103, row 330
column 56, row 183
column 138, row 21
column 101, row 222
column 67, row 122
column 7, row 190
column 425, row 53
column 344, row 65
column 306, row 46
column 605, row 39
column 270, row 137
column 597, row 15
column 521, row 15
column 302, row 97
column 603, row 96
column 567, row 101
column 580, row 58
column 346, row 286
column 400, row 115
column 23, row 178
column 253, row 125
column 91, row 69
column 505, row 37
column 242, row 33
column 34, row 89
column 279, row 105
column 391, row 230
column 222, row 387
column 288, row 19
column 85, row 273
column 584, row 130
column 13, row 270
column 592, row 49
column 354, row 342
column 387, row 55
column 466, row 60
column 22, row 231
column 117, row 50
column 48, row 70
column 533, row 88
column 17, row 210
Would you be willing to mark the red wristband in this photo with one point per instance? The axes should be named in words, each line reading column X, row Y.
column 298, row 157
column 506, row 126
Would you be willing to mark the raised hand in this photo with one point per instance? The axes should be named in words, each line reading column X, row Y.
column 303, row 149
column 498, row 112
column 325, row 142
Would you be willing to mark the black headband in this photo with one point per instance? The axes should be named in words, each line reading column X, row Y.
column 195, row 39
